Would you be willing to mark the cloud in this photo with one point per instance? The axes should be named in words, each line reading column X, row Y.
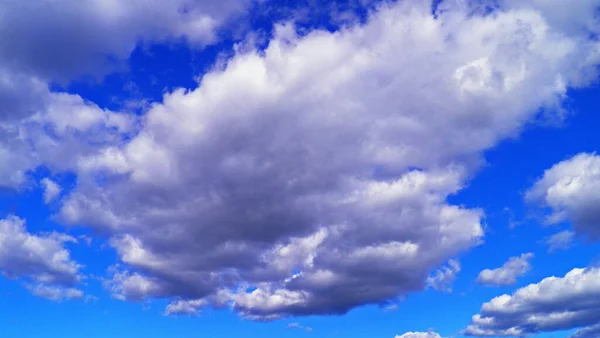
column 41, row 261
column 299, row 327
column 419, row 335
column 57, row 294
column 312, row 177
column 571, row 191
column 553, row 304
column 60, row 40
column 185, row 307
column 443, row 279
column 57, row 135
column 49, row 42
column 560, row 241
column 51, row 190
column 508, row 273
column 588, row 332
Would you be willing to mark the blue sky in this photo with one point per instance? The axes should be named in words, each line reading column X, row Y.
column 401, row 169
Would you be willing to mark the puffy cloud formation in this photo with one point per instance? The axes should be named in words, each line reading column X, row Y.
column 41, row 259
column 311, row 177
column 571, row 191
column 551, row 305
column 514, row 268
column 420, row 335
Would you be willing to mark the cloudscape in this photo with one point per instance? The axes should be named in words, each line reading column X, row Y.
column 271, row 168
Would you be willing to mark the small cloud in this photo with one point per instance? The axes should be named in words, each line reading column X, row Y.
column 508, row 273
column 390, row 308
column 299, row 327
column 54, row 293
column 443, row 278
column 51, row 190
column 560, row 241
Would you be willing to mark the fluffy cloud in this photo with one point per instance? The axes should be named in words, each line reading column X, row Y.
column 514, row 268
column 41, row 259
column 550, row 305
column 571, row 191
column 312, row 177
column 420, row 335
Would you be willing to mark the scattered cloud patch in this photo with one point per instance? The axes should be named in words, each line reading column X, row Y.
column 39, row 258
column 442, row 279
column 560, row 241
column 298, row 326
column 54, row 293
column 429, row 334
column 508, row 273
column 588, row 332
column 51, row 190
column 41, row 261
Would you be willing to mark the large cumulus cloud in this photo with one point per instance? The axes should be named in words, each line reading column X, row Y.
column 312, row 177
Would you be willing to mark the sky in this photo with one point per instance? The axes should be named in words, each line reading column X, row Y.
column 316, row 168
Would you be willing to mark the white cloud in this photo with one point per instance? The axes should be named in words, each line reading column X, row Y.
column 187, row 307
column 571, row 191
column 588, row 332
column 42, row 259
column 443, row 278
column 292, row 170
column 514, row 268
column 560, row 240
column 57, row 41
column 51, row 190
column 419, row 335
column 61, row 39
column 555, row 303
column 299, row 327
column 57, row 294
